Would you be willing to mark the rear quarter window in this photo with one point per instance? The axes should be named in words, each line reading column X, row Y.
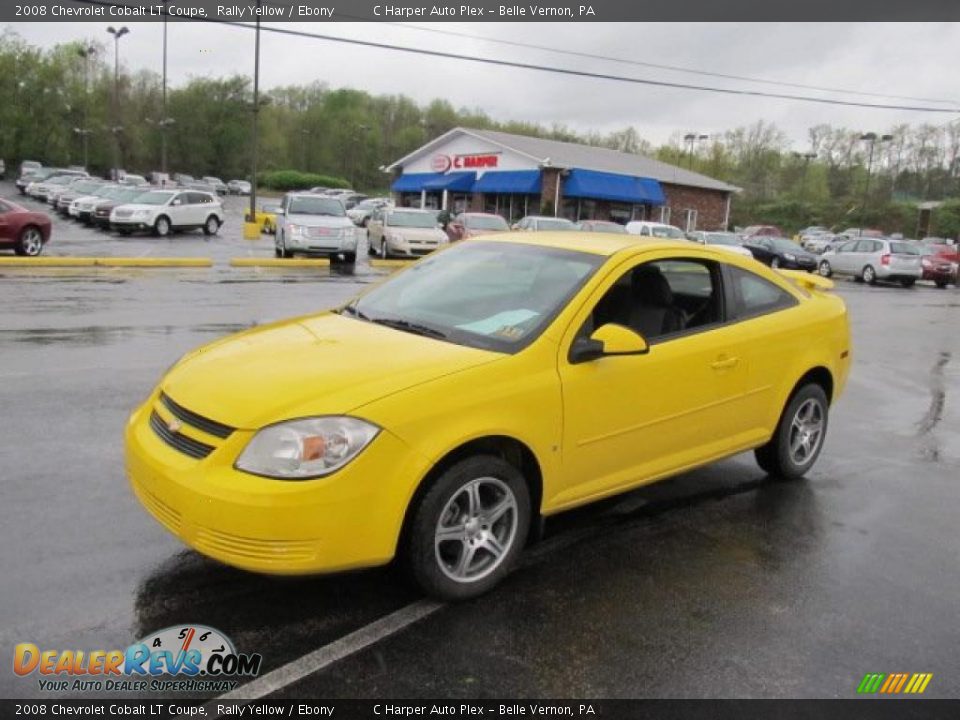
column 753, row 295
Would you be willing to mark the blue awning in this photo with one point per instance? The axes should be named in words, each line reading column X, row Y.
column 610, row 186
column 413, row 182
column 511, row 182
column 456, row 181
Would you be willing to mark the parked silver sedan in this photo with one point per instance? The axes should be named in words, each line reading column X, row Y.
column 874, row 259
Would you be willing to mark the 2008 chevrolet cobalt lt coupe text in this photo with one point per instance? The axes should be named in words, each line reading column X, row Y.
column 439, row 414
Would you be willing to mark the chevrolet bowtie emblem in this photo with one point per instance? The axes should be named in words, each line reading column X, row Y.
column 174, row 426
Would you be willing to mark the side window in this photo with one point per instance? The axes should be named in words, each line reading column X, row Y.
column 662, row 299
column 864, row 246
column 848, row 246
column 181, row 199
column 754, row 295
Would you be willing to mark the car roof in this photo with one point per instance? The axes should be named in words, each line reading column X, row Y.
column 597, row 244
column 415, row 210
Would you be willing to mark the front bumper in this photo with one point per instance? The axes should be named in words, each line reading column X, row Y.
column 128, row 225
column 412, row 249
column 349, row 519
column 322, row 244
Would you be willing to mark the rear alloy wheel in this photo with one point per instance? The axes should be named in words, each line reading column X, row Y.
column 211, row 226
column 30, row 242
column 824, row 269
column 469, row 528
column 870, row 275
column 162, row 226
column 797, row 442
column 775, row 263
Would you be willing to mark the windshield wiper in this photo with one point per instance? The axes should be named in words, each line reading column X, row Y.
column 410, row 327
column 352, row 310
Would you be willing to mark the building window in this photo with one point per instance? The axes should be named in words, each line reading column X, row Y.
column 690, row 220
column 665, row 214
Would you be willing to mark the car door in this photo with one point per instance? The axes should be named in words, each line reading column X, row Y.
column 844, row 260
column 630, row 419
column 198, row 205
column 179, row 209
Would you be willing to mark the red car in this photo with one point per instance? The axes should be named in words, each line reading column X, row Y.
column 23, row 230
column 939, row 263
column 761, row 231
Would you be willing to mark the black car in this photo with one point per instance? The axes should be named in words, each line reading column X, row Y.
column 778, row 252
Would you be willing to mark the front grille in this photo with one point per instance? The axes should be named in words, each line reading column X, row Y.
column 186, row 445
column 124, row 213
column 211, row 427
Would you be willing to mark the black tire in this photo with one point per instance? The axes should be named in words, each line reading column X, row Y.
column 281, row 248
column 869, row 275
column 421, row 552
column 350, row 258
column 908, row 282
column 384, row 248
column 211, row 226
column 162, row 226
column 941, row 284
column 776, row 457
column 824, row 269
column 29, row 242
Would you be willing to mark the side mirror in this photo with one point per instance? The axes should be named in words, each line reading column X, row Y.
column 609, row 339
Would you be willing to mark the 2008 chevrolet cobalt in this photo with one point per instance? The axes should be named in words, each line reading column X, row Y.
column 439, row 414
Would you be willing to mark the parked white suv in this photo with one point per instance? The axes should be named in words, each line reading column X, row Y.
column 164, row 211
column 655, row 229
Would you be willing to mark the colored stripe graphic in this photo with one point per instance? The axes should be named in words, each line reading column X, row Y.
column 894, row 683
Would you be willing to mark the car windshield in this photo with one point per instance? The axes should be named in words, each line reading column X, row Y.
column 783, row 244
column 555, row 224
column 315, row 205
column 666, row 231
column 489, row 295
column 154, row 197
column 721, row 239
column 485, row 222
column 902, row 248
column 412, row 219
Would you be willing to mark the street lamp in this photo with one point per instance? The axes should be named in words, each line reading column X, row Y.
column 117, row 34
column 165, row 121
column 256, row 113
column 871, row 138
column 86, row 53
column 692, row 139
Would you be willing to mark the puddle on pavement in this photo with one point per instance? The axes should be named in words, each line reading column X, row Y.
column 104, row 335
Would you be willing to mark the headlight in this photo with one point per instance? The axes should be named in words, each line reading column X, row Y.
column 297, row 229
column 307, row 448
column 395, row 237
column 139, row 214
column 790, row 256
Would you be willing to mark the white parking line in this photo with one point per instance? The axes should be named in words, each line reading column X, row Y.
column 329, row 654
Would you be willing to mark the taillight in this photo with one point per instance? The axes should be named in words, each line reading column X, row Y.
column 885, row 259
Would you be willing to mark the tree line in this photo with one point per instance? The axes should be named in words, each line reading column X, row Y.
column 54, row 97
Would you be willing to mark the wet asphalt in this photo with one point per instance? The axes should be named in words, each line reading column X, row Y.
column 718, row 583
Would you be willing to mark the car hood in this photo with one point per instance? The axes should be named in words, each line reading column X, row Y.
column 318, row 365
column 93, row 199
column 325, row 221
column 418, row 234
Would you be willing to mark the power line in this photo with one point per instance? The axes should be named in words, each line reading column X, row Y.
column 557, row 70
column 657, row 66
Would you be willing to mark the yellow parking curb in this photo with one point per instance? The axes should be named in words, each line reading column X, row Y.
column 379, row 262
column 279, row 262
column 142, row 262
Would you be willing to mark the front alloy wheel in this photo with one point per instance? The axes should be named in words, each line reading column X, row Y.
column 469, row 528
column 797, row 442
column 30, row 242
column 162, row 226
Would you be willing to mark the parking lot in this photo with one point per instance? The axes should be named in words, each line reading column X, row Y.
column 718, row 583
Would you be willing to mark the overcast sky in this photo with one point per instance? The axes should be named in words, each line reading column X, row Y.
column 919, row 60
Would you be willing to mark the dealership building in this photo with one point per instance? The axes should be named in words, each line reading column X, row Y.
column 516, row 175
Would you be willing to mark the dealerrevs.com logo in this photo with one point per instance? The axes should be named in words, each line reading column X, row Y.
column 190, row 658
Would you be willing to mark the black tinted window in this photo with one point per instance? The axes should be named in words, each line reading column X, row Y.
column 754, row 295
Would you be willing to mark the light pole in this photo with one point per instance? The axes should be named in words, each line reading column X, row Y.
column 256, row 113
column 164, row 121
column 692, row 139
column 871, row 138
column 806, row 157
column 86, row 53
column 117, row 34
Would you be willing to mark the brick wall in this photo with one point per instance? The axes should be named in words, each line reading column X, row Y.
column 711, row 206
column 548, row 192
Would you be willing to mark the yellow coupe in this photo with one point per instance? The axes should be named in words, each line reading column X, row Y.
column 439, row 415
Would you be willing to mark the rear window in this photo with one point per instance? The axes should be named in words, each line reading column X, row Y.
column 902, row 248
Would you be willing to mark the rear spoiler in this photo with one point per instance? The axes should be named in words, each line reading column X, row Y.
column 807, row 281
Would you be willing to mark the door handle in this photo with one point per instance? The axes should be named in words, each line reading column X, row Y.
column 725, row 363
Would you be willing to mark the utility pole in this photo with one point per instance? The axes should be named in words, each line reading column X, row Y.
column 164, row 120
column 870, row 137
column 86, row 53
column 256, row 113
